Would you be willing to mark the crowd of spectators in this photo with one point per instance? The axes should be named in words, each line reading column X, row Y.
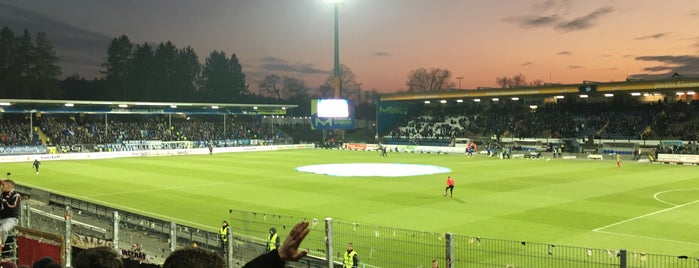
column 610, row 120
column 17, row 133
column 659, row 120
column 65, row 130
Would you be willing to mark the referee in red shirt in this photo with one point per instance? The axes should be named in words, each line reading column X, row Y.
column 450, row 187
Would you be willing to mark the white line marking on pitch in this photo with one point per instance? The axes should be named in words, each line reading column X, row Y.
column 644, row 215
column 649, row 237
column 676, row 190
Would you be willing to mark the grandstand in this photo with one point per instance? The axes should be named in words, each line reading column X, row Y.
column 639, row 118
column 577, row 116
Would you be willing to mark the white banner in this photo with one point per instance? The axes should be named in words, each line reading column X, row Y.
column 105, row 155
column 679, row 158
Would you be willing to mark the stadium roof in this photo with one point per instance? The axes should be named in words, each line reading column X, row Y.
column 678, row 85
column 138, row 107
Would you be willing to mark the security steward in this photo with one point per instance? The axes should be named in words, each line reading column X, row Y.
column 274, row 241
column 351, row 259
column 223, row 235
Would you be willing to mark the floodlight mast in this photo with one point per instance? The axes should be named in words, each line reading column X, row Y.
column 336, row 68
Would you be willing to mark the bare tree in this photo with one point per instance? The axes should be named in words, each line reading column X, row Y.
column 282, row 87
column 271, row 86
column 424, row 80
column 349, row 88
column 517, row 81
column 504, row 82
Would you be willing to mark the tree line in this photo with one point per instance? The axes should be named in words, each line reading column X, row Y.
column 144, row 72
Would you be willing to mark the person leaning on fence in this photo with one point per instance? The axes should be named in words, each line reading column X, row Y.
column 9, row 211
column 98, row 257
column 288, row 251
column 223, row 235
column 351, row 259
column 273, row 240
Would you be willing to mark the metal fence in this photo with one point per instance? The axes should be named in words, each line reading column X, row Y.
column 151, row 240
column 381, row 246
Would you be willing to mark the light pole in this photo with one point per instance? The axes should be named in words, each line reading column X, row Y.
column 459, row 78
column 336, row 68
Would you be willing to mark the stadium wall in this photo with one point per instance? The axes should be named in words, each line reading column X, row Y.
column 171, row 152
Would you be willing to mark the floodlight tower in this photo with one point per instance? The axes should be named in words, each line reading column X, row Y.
column 336, row 68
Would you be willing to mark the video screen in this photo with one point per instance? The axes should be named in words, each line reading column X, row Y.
column 333, row 108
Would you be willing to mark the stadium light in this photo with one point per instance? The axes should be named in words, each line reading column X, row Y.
column 583, row 96
column 283, row 108
column 4, row 104
column 515, row 98
column 635, row 94
column 690, row 93
column 533, row 107
column 476, row 100
column 609, row 95
column 495, row 99
column 559, row 97
column 69, row 105
column 443, row 101
column 336, row 54
column 173, row 106
column 459, row 101
column 646, row 94
column 123, row 106
column 214, row 106
column 680, row 93
column 427, row 102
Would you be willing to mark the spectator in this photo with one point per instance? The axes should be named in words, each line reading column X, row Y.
column 99, row 257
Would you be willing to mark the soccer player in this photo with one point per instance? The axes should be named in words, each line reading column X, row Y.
column 383, row 151
column 450, row 187
column 618, row 160
column 36, row 165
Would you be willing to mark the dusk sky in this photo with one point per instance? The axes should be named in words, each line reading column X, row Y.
column 381, row 41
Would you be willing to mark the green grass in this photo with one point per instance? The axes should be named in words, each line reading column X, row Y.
column 641, row 207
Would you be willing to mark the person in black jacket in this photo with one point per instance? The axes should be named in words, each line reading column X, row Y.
column 200, row 258
column 289, row 251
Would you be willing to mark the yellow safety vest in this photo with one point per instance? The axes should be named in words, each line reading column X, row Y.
column 272, row 243
column 224, row 234
column 349, row 259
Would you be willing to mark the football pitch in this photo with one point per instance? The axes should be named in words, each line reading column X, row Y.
column 641, row 207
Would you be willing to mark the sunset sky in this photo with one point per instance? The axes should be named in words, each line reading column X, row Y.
column 381, row 41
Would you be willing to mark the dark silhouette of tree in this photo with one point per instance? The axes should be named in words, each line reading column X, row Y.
column 222, row 79
column 349, row 88
column 28, row 69
column 517, row 81
column 142, row 73
column 9, row 75
column 432, row 80
column 44, row 70
column 165, row 73
column 187, row 72
column 116, row 69
column 78, row 88
column 283, row 87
